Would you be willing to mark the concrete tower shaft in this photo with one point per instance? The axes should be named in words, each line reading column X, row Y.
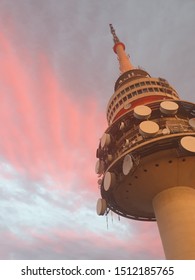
column 146, row 157
column 174, row 210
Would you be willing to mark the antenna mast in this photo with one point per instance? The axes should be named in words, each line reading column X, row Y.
column 119, row 49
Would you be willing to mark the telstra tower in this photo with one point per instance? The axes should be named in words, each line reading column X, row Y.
column 146, row 156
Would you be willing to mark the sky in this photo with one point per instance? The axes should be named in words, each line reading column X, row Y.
column 57, row 73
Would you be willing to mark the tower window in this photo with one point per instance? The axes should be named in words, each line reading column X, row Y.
column 129, row 95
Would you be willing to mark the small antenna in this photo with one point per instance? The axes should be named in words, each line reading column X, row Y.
column 115, row 38
column 107, row 221
column 112, row 217
column 119, row 49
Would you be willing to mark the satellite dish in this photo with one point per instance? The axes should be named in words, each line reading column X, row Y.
column 192, row 123
column 99, row 167
column 169, row 107
column 110, row 157
column 142, row 112
column 148, row 128
column 101, row 206
column 122, row 126
column 127, row 164
column 126, row 142
column 188, row 143
column 99, row 182
column 166, row 131
column 105, row 140
column 127, row 106
column 109, row 180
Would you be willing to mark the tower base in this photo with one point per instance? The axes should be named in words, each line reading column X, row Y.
column 175, row 214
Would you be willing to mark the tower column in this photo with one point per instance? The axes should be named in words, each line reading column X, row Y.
column 175, row 213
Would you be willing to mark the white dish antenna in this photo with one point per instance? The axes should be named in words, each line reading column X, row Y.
column 127, row 106
column 169, row 107
column 166, row 131
column 192, row 123
column 110, row 157
column 122, row 126
column 142, row 112
column 127, row 164
column 188, row 143
column 148, row 128
column 101, row 206
column 99, row 182
column 99, row 167
column 105, row 140
column 126, row 143
column 109, row 180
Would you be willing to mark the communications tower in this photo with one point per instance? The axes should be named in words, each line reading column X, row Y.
column 146, row 156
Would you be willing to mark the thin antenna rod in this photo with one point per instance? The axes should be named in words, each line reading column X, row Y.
column 115, row 38
column 119, row 49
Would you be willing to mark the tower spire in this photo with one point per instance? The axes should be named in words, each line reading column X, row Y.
column 119, row 49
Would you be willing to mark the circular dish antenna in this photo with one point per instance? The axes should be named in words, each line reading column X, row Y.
column 127, row 164
column 166, row 131
column 99, row 167
column 110, row 157
column 188, row 143
column 126, row 143
column 127, row 106
column 122, row 126
column 105, row 140
column 192, row 123
column 169, row 107
column 109, row 180
column 148, row 128
column 142, row 112
column 99, row 182
column 101, row 206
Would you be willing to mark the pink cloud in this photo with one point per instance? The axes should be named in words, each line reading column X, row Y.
column 47, row 130
column 81, row 244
